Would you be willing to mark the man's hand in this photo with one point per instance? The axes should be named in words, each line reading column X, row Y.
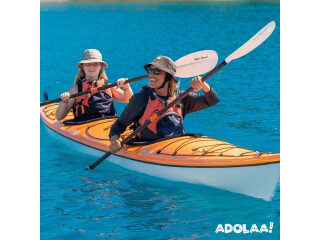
column 197, row 84
column 115, row 144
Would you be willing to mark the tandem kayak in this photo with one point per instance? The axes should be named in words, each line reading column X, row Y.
column 191, row 158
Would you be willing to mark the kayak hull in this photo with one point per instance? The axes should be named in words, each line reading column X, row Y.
column 258, row 179
column 233, row 179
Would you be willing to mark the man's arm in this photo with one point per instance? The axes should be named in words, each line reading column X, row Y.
column 195, row 102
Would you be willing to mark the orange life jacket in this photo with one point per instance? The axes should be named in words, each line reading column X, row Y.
column 93, row 105
column 169, row 123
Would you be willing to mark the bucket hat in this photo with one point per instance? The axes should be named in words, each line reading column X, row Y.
column 92, row 55
column 163, row 63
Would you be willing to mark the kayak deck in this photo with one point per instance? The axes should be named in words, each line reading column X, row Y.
column 190, row 150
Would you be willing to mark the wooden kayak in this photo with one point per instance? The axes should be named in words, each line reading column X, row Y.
column 191, row 158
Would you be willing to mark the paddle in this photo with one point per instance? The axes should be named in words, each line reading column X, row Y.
column 250, row 45
column 190, row 65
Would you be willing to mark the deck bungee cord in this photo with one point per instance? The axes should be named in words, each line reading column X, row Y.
column 218, row 152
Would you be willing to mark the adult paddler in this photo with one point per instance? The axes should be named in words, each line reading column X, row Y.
column 162, row 90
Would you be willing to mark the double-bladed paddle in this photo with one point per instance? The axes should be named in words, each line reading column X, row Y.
column 251, row 44
column 190, row 65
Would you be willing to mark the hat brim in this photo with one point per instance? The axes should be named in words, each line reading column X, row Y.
column 160, row 67
column 105, row 65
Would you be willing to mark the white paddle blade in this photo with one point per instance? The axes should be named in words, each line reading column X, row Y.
column 196, row 63
column 253, row 42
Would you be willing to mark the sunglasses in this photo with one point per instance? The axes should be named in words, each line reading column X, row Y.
column 154, row 71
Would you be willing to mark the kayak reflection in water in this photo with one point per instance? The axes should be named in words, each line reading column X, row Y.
column 161, row 91
column 91, row 74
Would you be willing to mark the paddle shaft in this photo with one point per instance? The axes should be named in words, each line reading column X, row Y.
column 162, row 111
column 94, row 90
column 92, row 166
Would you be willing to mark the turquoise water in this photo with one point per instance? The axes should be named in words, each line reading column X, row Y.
column 115, row 203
